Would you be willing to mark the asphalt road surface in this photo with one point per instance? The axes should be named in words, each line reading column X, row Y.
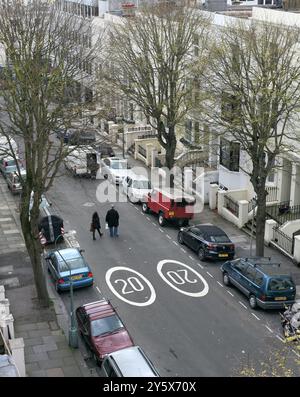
column 174, row 306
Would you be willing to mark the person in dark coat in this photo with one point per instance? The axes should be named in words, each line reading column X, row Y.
column 112, row 220
column 96, row 225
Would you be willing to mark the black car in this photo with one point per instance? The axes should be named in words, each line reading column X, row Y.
column 105, row 150
column 208, row 241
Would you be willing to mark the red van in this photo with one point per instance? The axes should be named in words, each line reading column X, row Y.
column 171, row 204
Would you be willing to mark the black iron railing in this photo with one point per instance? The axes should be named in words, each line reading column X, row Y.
column 283, row 240
column 283, row 212
column 231, row 205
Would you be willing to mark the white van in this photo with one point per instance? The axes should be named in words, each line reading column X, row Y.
column 83, row 161
column 128, row 362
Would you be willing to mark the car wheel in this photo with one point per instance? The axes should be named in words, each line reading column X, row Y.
column 145, row 208
column 161, row 219
column 226, row 280
column 252, row 302
column 180, row 238
column 201, row 254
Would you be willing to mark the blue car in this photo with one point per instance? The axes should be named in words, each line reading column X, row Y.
column 263, row 282
column 66, row 263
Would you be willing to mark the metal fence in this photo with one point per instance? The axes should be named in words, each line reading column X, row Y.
column 283, row 240
column 231, row 205
column 283, row 212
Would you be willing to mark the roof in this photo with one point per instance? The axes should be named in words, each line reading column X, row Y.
column 139, row 177
column 175, row 194
column 68, row 253
column 99, row 309
column 133, row 362
column 210, row 229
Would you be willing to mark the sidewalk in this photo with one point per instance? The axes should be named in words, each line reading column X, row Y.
column 47, row 353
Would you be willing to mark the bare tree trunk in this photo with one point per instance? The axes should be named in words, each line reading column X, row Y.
column 260, row 220
column 170, row 153
column 30, row 232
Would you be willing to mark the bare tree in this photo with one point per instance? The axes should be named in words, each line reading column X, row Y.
column 45, row 62
column 152, row 62
column 256, row 75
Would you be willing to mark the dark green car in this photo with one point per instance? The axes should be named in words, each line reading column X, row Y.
column 264, row 283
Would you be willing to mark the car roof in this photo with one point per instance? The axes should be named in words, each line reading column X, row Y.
column 99, row 309
column 67, row 253
column 132, row 361
column 136, row 177
column 269, row 268
column 175, row 194
column 210, row 229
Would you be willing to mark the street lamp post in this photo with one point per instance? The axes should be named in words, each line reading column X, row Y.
column 73, row 332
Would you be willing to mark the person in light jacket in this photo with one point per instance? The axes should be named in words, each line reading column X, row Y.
column 112, row 220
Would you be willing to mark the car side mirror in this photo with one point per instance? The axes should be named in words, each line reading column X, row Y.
column 47, row 257
column 82, row 250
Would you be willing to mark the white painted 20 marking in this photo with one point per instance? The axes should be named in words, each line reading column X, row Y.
column 182, row 278
column 123, row 281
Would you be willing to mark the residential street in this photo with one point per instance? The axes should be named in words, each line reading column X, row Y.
column 209, row 335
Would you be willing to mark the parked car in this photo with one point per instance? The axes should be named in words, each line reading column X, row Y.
column 129, row 362
column 8, row 164
column 170, row 204
column 208, row 241
column 66, row 263
column 80, row 136
column 13, row 181
column 115, row 169
column 136, row 188
column 102, row 329
column 264, row 282
column 82, row 161
column 104, row 150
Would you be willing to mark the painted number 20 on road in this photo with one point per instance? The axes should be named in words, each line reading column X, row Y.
column 182, row 278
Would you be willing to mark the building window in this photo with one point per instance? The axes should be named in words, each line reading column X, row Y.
column 230, row 155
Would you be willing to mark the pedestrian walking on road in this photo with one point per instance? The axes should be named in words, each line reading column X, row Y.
column 95, row 225
column 112, row 220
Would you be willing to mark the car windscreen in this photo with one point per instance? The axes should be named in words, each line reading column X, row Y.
column 106, row 325
column 221, row 238
column 118, row 165
column 280, row 284
column 75, row 263
column 141, row 185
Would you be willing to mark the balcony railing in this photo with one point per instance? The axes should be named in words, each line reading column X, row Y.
column 283, row 240
column 231, row 205
column 272, row 193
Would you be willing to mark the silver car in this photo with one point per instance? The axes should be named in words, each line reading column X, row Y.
column 13, row 181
